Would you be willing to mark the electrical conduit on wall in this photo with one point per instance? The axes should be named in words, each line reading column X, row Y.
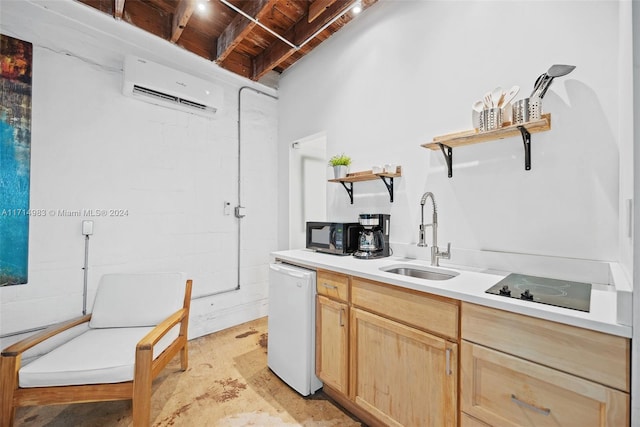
column 239, row 209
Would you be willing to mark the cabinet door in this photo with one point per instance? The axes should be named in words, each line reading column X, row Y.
column 332, row 355
column 504, row 390
column 401, row 375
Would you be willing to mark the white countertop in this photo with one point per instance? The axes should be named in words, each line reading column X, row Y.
column 470, row 286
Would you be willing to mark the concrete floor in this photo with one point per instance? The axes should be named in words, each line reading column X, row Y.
column 228, row 384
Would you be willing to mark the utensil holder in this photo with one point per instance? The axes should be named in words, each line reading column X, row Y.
column 490, row 119
column 526, row 109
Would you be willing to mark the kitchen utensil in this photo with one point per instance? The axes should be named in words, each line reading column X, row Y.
column 526, row 109
column 538, row 83
column 490, row 119
column 476, row 110
column 559, row 70
column 555, row 71
column 496, row 94
column 487, row 100
column 510, row 95
column 544, row 80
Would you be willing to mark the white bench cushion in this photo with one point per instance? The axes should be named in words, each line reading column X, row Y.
column 132, row 300
column 97, row 356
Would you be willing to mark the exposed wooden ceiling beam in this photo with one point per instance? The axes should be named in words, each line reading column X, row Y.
column 118, row 9
column 318, row 7
column 298, row 34
column 240, row 27
column 181, row 17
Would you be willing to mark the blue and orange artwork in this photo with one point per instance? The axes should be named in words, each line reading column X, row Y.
column 15, row 157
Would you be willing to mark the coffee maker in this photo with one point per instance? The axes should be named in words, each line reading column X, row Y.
column 373, row 241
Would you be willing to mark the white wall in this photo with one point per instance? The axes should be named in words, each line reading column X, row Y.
column 93, row 148
column 406, row 71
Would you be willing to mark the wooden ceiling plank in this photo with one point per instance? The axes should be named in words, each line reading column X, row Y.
column 240, row 27
column 317, row 8
column 304, row 29
column 181, row 17
column 118, row 9
column 239, row 64
column 279, row 52
column 270, row 59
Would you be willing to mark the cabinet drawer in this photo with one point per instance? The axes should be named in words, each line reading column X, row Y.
column 333, row 285
column 503, row 390
column 438, row 315
column 589, row 354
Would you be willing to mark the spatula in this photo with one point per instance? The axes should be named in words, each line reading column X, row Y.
column 510, row 95
column 554, row 71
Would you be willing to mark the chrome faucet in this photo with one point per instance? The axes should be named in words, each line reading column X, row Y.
column 436, row 254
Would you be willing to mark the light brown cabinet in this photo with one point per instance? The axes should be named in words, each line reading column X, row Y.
column 332, row 353
column 332, row 330
column 401, row 375
column 394, row 359
column 404, row 355
column 400, row 357
column 521, row 371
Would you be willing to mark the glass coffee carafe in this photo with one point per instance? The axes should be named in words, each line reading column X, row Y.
column 374, row 234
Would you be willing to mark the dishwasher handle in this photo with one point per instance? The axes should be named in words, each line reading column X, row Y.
column 288, row 271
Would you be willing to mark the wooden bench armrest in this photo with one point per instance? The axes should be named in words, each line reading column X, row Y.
column 161, row 329
column 25, row 344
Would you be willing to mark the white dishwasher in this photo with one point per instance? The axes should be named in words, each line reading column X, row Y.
column 291, row 324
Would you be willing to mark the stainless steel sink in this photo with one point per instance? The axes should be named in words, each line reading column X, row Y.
column 420, row 272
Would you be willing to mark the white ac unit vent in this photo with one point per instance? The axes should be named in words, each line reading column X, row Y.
column 164, row 86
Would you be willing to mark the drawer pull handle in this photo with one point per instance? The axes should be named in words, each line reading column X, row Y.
column 328, row 286
column 448, row 361
column 544, row 411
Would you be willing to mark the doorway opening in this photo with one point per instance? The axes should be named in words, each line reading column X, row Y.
column 307, row 186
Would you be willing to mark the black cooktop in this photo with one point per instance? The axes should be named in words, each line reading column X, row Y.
column 561, row 293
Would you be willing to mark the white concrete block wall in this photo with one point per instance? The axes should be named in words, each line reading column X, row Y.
column 93, row 148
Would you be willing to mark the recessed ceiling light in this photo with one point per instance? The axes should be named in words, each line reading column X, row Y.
column 357, row 8
column 202, row 7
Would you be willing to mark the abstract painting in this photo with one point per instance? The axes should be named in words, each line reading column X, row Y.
column 15, row 157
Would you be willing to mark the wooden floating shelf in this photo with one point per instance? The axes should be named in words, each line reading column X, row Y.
column 387, row 178
column 447, row 142
column 367, row 176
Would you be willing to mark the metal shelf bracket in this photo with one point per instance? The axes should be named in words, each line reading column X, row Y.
column 526, row 140
column 447, row 152
column 349, row 189
column 389, row 186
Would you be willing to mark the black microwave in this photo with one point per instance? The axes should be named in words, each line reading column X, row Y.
column 339, row 238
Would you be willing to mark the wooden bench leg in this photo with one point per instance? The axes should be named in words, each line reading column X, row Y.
column 8, row 385
column 142, row 380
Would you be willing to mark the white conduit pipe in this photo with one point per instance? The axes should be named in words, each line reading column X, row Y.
column 294, row 46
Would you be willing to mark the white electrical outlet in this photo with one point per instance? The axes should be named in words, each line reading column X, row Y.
column 87, row 228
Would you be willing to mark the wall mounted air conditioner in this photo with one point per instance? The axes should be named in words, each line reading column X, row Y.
column 164, row 86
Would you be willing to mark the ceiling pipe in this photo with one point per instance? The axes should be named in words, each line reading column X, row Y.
column 294, row 46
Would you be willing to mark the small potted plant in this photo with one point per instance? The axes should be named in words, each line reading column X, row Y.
column 340, row 163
